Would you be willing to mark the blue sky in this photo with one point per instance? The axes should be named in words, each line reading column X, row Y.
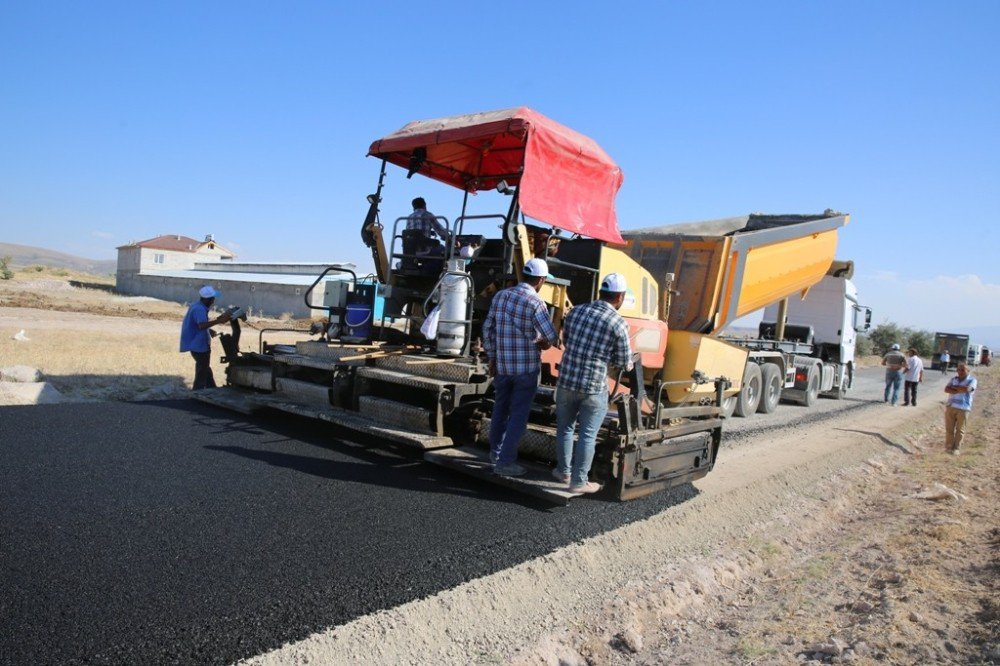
column 121, row 121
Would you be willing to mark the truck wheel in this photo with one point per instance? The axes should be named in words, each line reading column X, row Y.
column 749, row 395
column 728, row 405
column 812, row 387
column 770, row 392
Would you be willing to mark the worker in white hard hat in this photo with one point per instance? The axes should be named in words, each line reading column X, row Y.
column 895, row 364
column 515, row 332
column 195, row 338
column 596, row 339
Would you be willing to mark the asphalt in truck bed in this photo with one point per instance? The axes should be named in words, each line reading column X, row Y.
column 176, row 532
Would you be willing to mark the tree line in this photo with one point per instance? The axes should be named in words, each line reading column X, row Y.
column 880, row 339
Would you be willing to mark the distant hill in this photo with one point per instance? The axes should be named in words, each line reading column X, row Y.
column 25, row 255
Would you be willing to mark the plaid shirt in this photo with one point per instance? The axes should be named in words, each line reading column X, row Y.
column 426, row 222
column 596, row 337
column 517, row 318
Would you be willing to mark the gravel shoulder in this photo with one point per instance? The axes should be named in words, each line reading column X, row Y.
column 805, row 545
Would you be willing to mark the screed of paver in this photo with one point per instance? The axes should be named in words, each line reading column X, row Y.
column 490, row 619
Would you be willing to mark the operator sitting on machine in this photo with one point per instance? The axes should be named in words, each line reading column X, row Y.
column 433, row 233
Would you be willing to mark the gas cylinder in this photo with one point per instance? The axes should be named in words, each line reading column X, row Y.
column 454, row 294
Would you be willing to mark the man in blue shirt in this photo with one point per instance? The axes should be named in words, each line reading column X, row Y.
column 960, row 390
column 195, row 338
column 596, row 337
column 515, row 331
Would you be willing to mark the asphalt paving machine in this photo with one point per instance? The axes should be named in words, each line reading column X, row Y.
column 384, row 379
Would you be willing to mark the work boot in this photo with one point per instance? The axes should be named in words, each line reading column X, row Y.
column 587, row 488
column 512, row 469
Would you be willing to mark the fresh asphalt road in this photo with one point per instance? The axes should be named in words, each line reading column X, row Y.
column 175, row 532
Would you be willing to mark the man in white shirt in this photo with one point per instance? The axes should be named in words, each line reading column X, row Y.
column 913, row 375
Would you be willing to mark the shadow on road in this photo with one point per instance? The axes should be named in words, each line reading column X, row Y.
column 878, row 435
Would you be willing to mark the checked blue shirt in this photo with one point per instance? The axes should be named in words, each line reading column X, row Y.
column 427, row 223
column 596, row 336
column 517, row 318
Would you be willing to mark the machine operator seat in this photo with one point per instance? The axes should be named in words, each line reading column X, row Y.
column 422, row 256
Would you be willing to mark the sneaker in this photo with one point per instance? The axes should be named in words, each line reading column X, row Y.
column 954, row 452
column 559, row 476
column 589, row 487
column 512, row 469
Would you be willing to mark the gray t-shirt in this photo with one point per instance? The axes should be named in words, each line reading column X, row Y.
column 894, row 361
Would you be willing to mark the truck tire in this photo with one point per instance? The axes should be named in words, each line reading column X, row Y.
column 728, row 405
column 811, row 393
column 749, row 395
column 770, row 388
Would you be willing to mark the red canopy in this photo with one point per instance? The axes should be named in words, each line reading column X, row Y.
column 564, row 178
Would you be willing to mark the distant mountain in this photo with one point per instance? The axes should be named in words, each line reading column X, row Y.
column 25, row 255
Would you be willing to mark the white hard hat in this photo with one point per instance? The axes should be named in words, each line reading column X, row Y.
column 614, row 283
column 207, row 292
column 895, row 347
column 536, row 268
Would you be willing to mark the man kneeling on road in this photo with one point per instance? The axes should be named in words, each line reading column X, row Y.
column 515, row 331
column 596, row 337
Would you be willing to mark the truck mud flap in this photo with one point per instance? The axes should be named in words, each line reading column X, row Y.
column 538, row 482
column 247, row 403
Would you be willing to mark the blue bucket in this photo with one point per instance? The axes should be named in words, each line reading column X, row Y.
column 358, row 320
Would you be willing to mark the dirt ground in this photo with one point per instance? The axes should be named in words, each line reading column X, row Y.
column 92, row 344
column 814, row 545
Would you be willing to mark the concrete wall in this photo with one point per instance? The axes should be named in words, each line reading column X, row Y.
column 263, row 299
column 272, row 268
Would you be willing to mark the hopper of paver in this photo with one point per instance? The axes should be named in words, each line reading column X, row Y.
column 716, row 272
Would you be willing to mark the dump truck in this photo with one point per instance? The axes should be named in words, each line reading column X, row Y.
column 386, row 382
column 957, row 346
column 783, row 264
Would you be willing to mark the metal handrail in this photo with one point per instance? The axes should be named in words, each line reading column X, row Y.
column 460, row 220
column 260, row 335
column 322, row 275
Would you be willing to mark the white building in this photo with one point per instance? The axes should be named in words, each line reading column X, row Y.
column 173, row 268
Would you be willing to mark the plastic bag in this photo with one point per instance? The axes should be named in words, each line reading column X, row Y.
column 430, row 326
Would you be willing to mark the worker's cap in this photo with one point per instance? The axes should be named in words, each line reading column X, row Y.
column 209, row 292
column 614, row 283
column 895, row 347
column 536, row 268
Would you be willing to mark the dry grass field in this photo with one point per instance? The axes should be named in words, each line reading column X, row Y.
column 92, row 344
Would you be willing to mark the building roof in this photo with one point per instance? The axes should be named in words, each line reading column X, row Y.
column 176, row 243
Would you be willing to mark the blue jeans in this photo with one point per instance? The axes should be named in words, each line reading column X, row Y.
column 893, row 380
column 588, row 411
column 514, row 394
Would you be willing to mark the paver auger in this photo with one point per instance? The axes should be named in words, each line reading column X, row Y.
column 385, row 379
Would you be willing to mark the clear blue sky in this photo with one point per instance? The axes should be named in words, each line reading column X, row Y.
column 250, row 120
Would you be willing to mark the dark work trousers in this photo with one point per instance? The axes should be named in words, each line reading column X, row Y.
column 910, row 393
column 203, row 377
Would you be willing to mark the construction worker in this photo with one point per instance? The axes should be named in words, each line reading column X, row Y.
column 422, row 219
column 195, row 336
column 515, row 331
column 596, row 337
column 895, row 363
